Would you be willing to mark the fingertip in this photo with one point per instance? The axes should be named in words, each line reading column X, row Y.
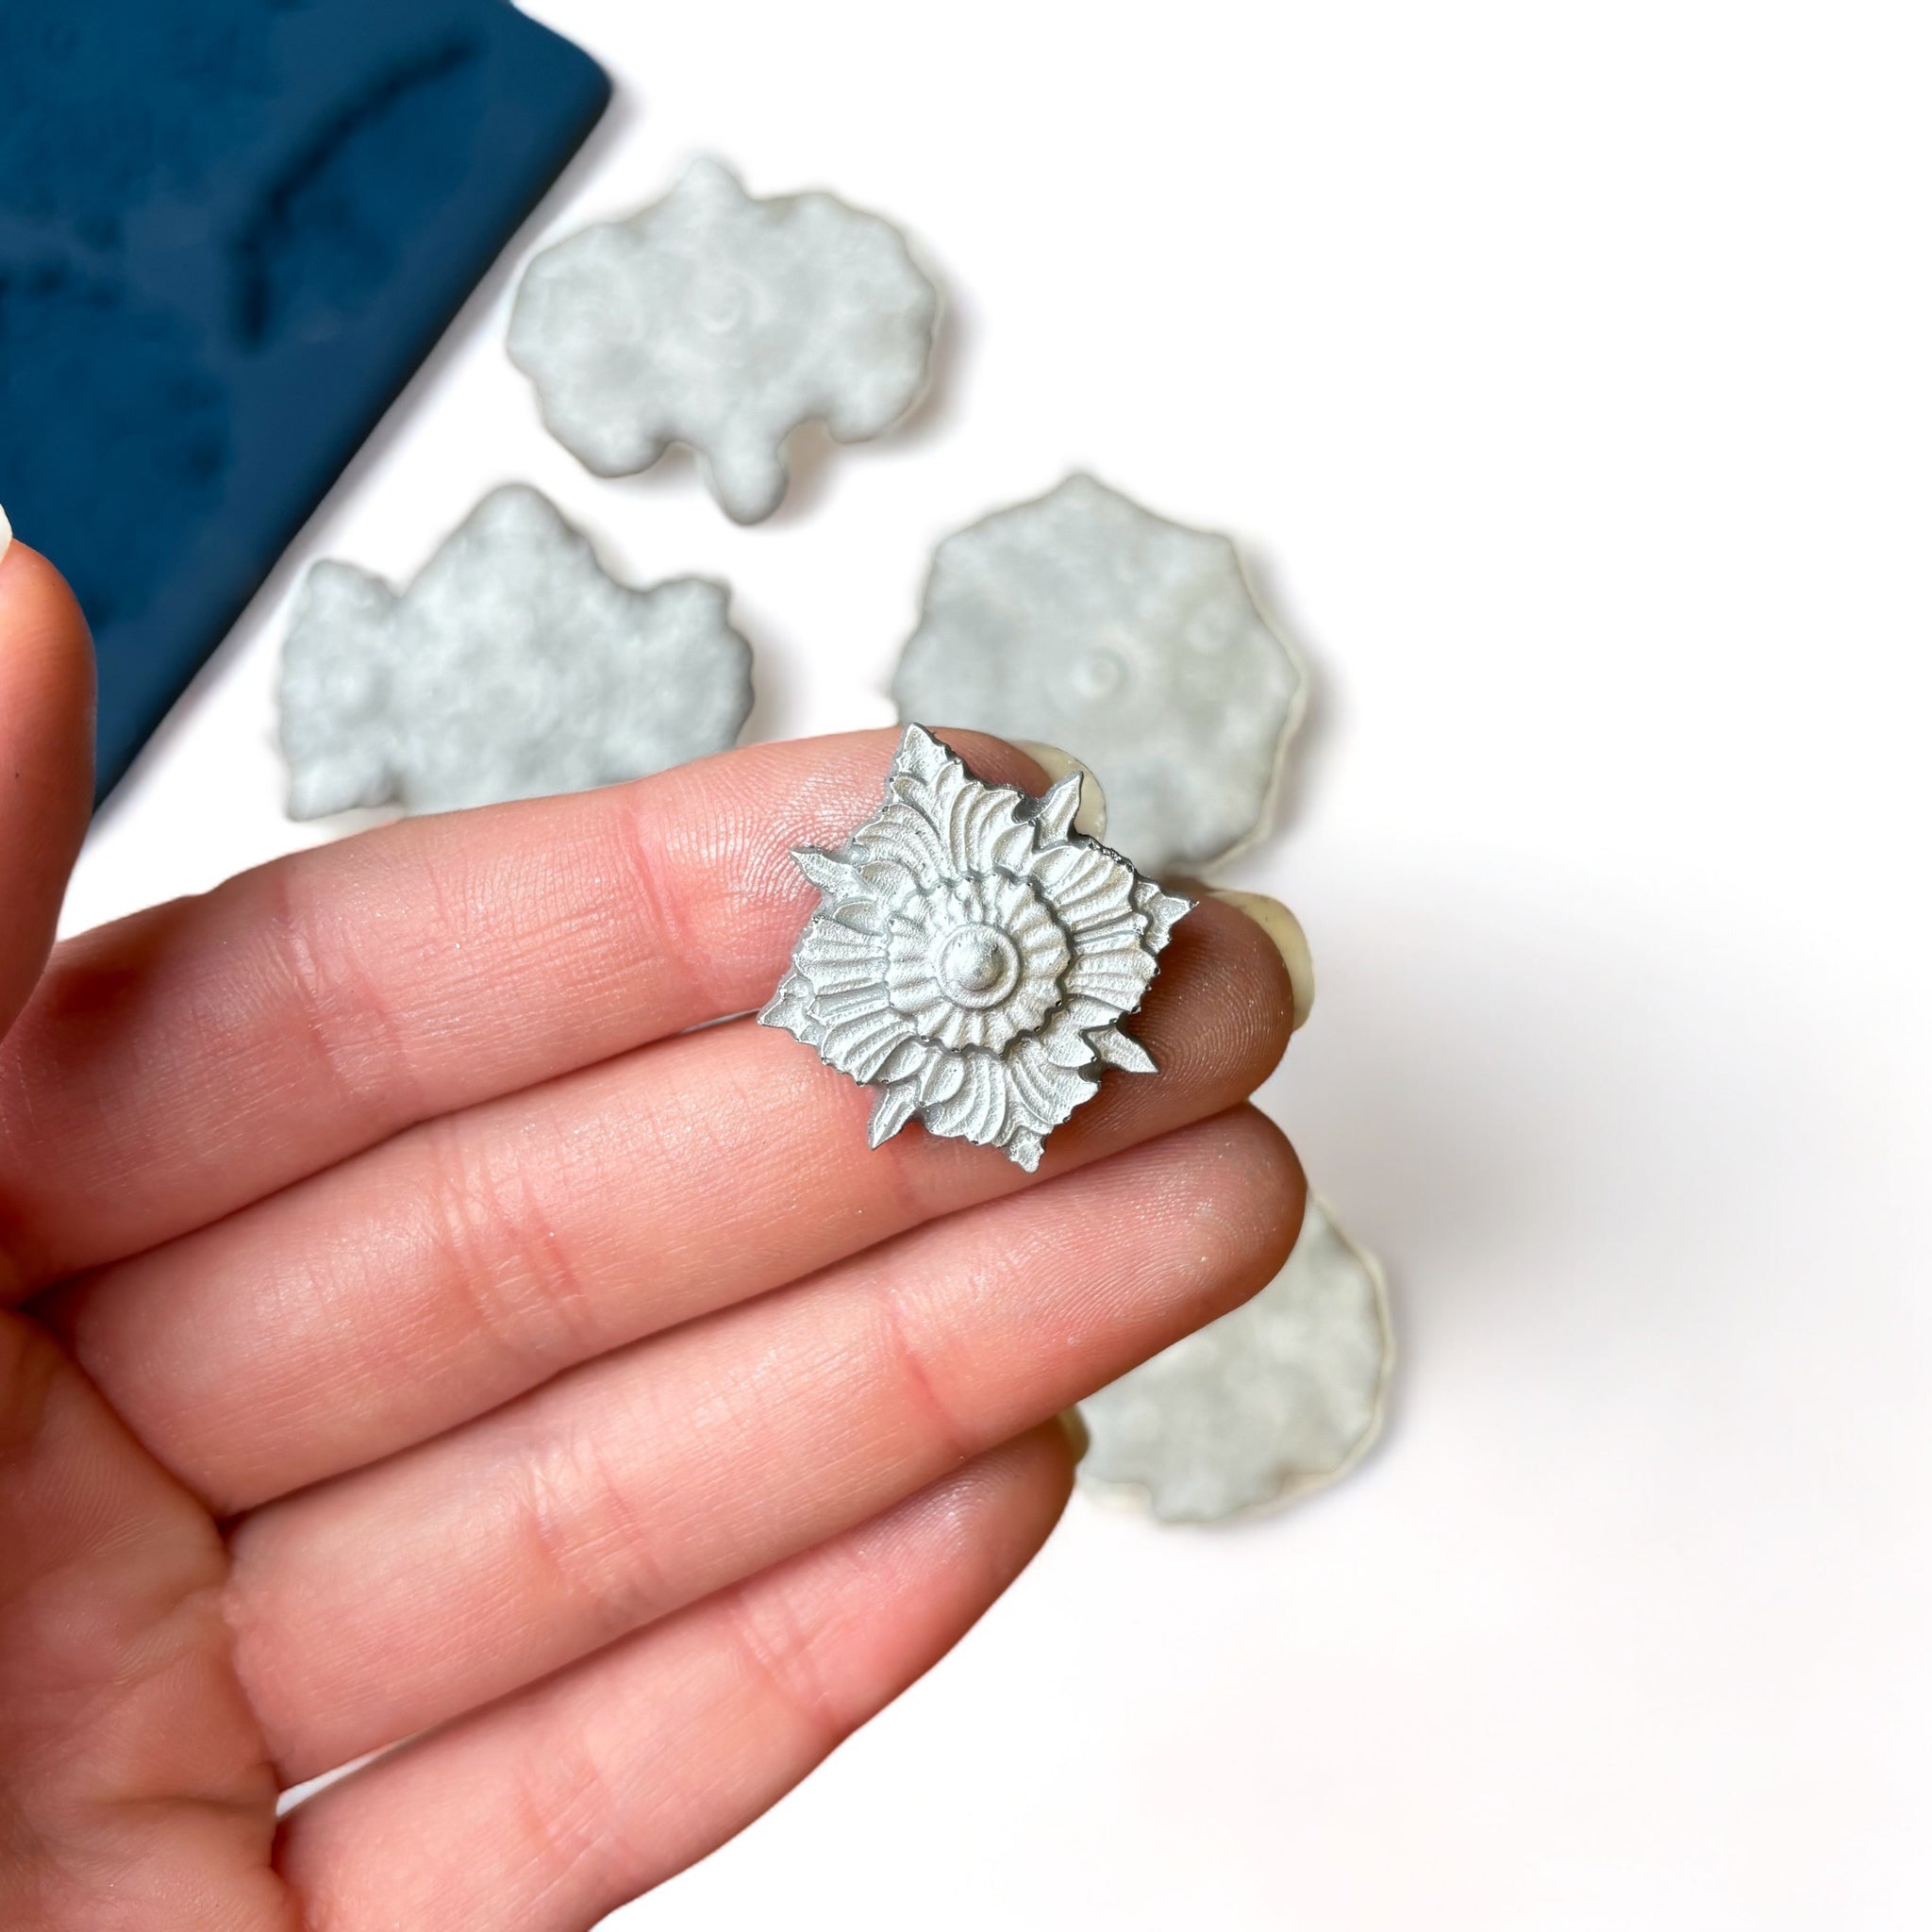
column 1278, row 1187
column 1033, row 1478
column 997, row 761
column 1222, row 1004
column 46, row 662
column 46, row 759
column 1240, row 1195
column 35, row 600
column 1290, row 942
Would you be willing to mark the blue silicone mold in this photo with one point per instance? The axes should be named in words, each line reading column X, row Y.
column 230, row 231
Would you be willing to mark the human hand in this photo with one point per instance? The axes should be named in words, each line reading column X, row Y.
column 423, row 1333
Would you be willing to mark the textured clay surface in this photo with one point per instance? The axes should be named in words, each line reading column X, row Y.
column 512, row 667
column 1087, row 622
column 1275, row 1399
column 723, row 323
column 229, row 230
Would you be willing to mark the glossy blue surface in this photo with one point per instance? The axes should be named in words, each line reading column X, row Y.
column 230, row 231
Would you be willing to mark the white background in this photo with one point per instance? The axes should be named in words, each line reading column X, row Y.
column 1566, row 373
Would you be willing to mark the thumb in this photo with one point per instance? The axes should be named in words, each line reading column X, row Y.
column 46, row 759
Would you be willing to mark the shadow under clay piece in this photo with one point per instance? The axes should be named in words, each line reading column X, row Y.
column 723, row 323
column 513, row 667
column 1084, row 621
column 1279, row 1397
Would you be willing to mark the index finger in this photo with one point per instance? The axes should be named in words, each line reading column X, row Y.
column 181, row 1063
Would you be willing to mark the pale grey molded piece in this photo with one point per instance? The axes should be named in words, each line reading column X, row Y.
column 1085, row 620
column 512, row 667
column 1273, row 1400
column 723, row 323
column 973, row 956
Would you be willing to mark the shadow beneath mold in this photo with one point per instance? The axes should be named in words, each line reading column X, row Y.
column 774, row 710
column 602, row 141
column 474, row 313
column 1535, row 1111
column 1310, row 750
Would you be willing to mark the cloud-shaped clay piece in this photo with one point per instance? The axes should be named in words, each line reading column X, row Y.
column 511, row 668
column 723, row 323
column 1277, row 1398
column 1086, row 621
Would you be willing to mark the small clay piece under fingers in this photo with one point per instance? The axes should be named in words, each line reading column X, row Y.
column 1277, row 1398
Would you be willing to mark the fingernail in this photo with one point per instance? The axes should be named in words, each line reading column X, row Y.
column 6, row 533
column 1055, row 763
column 1069, row 1419
column 1290, row 942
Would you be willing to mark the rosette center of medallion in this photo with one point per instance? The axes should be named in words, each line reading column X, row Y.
column 976, row 962
column 978, row 966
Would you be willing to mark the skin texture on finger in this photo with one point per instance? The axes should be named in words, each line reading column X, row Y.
column 46, row 761
column 546, row 1812
column 134, row 1794
column 412, row 1590
column 455, row 1267
column 180, row 1063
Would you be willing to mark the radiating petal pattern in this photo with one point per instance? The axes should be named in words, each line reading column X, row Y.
column 972, row 955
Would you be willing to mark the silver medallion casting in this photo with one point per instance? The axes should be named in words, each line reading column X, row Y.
column 973, row 956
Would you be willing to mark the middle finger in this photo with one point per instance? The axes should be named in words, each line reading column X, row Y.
column 470, row 1258
column 373, row 1606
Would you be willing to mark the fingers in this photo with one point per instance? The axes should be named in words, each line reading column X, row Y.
column 449, row 1270
column 545, row 1812
column 132, row 1779
column 400, row 1596
column 186, row 1061
column 46, row 759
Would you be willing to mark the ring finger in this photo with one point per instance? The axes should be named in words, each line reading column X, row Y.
column 648, row 1478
